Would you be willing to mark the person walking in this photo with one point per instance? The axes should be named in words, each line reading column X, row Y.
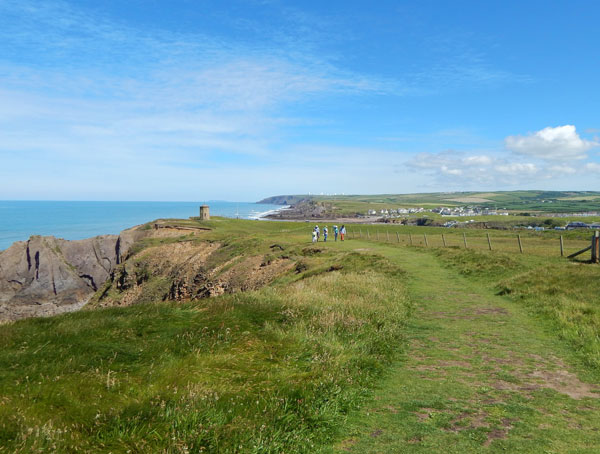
column 325, row 232
column 342, row 232
column 314, row 235
column 318, row 232
column 335, row 232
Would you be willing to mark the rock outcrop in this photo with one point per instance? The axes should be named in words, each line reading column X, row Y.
column 47, row 275
column 306, row 209
column 186, row 270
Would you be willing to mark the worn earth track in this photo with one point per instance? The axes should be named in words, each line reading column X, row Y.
column 480, row 375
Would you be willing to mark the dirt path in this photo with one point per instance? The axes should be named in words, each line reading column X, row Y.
column 480, row 375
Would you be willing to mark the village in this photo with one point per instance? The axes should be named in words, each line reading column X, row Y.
column 443, row 211
column 397, row 214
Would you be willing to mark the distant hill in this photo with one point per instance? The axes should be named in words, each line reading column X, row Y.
column 285, row 199
column 533, row 200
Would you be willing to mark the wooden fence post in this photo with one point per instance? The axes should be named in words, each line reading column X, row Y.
column 520, row 244
column 410, row 239
column 562, row 250
column 595, row 242
column 489, row 241
column 398, row 236
column 426, row 243
column 444, row 240
column 465, row 239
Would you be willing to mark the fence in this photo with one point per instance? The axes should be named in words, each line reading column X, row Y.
column 512, row 243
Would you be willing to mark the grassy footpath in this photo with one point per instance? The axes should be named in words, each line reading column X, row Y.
column 481, row 373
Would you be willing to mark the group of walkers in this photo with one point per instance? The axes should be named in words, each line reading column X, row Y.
column 316, row 233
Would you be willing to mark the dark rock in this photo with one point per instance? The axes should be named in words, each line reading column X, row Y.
column 47, row 275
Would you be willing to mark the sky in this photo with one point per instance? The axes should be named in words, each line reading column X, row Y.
column 244, row 99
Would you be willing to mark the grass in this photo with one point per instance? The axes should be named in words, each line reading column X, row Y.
column 273, row 370
column 363, row 346
column 514, row 201
column 483, row 373
column 543, row 243
column 560, row 291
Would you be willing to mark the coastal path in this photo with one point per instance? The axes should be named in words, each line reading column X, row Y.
column 479, row 375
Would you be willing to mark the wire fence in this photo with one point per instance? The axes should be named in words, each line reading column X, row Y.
column 510, row 243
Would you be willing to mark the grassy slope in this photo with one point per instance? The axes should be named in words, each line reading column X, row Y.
column 273, row 370
column 511, row 200
column 278, row 370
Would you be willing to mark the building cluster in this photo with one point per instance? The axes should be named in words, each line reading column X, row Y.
column 392, row 212
column 444, row 211
column 468, row 211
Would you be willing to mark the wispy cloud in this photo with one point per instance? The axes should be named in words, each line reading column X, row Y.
column 97, row 102
column 101, row 92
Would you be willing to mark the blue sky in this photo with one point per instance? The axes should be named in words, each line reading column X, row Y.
column 238, row 100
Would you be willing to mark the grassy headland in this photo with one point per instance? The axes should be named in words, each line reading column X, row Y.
column 272, row 370
column 448, row 339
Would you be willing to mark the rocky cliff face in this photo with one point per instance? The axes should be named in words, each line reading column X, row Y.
column 306, row 209
column 47, row 275
column 187, row 270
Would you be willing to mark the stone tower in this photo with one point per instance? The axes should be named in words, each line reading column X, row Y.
column 204, row 213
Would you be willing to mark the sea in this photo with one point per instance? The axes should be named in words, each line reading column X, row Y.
column 78, row 220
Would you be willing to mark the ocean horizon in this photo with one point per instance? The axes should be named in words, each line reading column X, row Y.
column 76, row 220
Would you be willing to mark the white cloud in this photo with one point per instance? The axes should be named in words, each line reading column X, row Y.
column 454, row 170
column 592, row 167
column 561, row 143
column 479, row 170
column 562, row 170
column 515, row 169
column 449, row 171
column 478, row 160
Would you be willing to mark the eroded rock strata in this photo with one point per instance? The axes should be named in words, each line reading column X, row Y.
column 47, row 275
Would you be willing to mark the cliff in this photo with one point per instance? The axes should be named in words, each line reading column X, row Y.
column 47, row 275
column 160, row 261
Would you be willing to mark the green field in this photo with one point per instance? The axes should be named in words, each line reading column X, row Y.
column 364, row 346
column 513, row 201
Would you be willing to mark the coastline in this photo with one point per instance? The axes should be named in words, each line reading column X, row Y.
column 78, row 220
column 304, row 212
column 265, row 216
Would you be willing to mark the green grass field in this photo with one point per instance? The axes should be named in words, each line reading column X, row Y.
column 536, row 202
column 542, row 243
column 364, row 346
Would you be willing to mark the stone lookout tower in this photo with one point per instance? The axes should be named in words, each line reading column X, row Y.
column 204, row 213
